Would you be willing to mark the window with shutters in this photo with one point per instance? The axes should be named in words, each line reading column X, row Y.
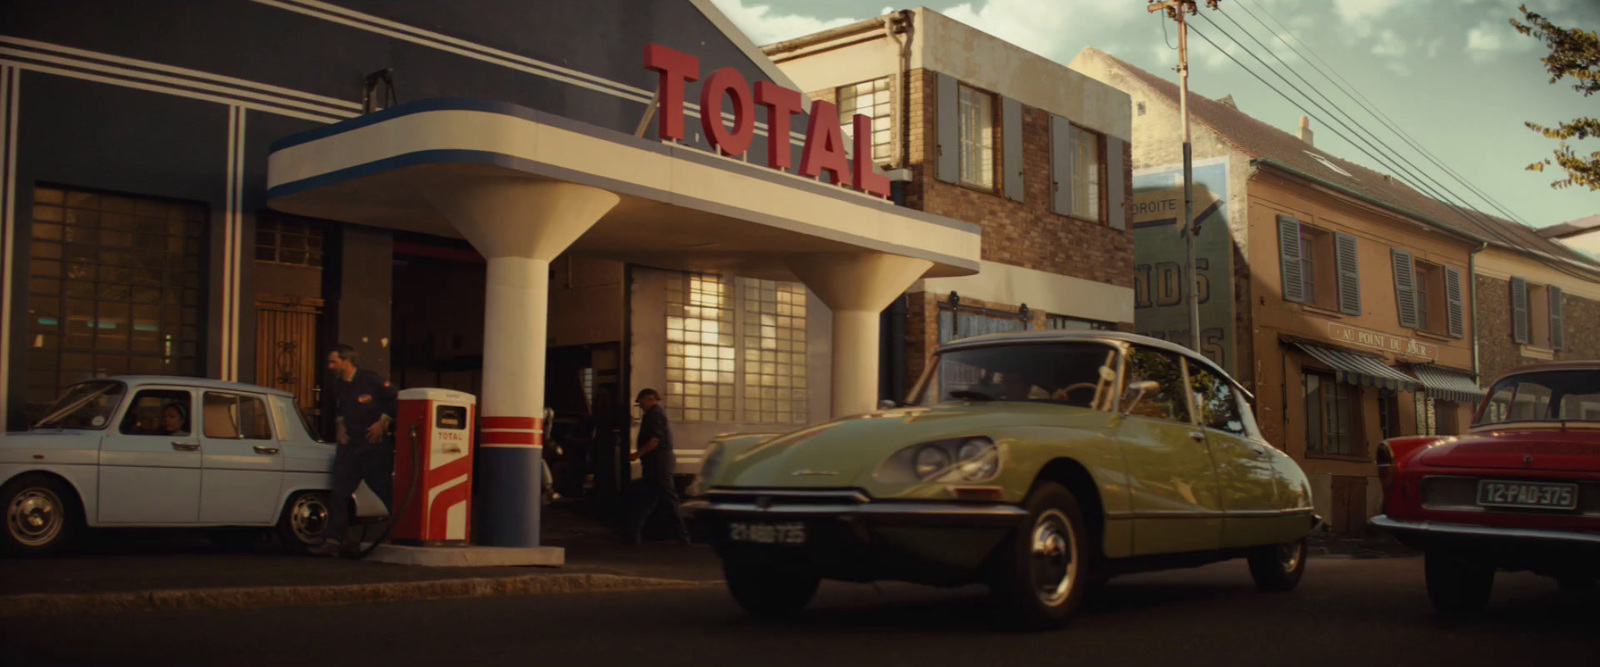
column 1432, row 315
column 1317, row 268
column 870, row 99
column 1539, row 316
column 977, row 138
column 1088, row 160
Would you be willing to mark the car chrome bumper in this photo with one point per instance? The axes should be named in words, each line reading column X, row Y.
column 872, row 513
column 1426, row 529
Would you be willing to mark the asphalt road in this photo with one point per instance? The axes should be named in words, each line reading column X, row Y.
column 1346, row 612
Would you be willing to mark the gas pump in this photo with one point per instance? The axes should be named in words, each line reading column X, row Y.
column 435, row 426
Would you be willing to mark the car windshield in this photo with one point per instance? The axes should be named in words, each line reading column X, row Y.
column 1565, row 395
column 1080, row 374
column 86, row 405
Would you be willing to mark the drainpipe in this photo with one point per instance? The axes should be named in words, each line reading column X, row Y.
column 1472, row 275
column 894, row 24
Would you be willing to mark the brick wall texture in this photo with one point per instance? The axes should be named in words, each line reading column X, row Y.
column 1498, row 353
column 1023, row 234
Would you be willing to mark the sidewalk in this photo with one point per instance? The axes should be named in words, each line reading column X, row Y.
column 1359, row 545
column 151, row 570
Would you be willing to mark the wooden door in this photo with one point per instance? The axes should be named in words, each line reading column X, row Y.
column 286, row 348
column 1349, row 504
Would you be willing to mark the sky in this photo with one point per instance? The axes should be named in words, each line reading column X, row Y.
column 1452, row 74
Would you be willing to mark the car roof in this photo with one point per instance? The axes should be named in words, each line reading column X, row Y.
column 1579, row 365
column 136, row 381
column 1090, row 336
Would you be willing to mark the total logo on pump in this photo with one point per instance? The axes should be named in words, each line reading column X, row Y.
column 435, row 426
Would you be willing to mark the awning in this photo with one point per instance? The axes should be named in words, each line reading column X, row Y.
column 1360, row 370
column 1448, row 385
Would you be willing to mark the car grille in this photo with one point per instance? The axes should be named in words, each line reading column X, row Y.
column 1460, row 494
column 788, row 497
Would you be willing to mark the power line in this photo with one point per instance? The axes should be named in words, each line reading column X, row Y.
column 1489, row 230
column 1376, row 144
column 1367, row 105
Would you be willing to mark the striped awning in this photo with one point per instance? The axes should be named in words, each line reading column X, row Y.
column 1448, row 385
column 1360, row 370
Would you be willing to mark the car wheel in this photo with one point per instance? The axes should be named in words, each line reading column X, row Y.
column 42, row 515
column 1278, row 568
column 1456, row 584
column 1576, row 583
column 303, row 521
column 768, row 590
column 1046, row 571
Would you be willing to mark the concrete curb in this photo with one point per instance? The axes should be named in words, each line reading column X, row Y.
column 46, row 604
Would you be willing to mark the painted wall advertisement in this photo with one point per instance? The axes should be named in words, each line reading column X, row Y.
column 1161, row 287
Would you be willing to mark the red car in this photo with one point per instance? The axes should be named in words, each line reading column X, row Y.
column 1519, row 491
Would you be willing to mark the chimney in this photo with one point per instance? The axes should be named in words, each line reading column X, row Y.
column 1305, row 130
column 1228, row 100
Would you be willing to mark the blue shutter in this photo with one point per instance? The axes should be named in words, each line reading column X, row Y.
column 1405, row 288
column 1519, row 310
column 1116, row 193
column 1294, row 280
column 1011, row 133
column 1349, row 263
column 1060, row 165
column 1457, row 303
column 948, row 121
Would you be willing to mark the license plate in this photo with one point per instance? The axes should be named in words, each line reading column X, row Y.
column 793, row 533
column 1527, row 494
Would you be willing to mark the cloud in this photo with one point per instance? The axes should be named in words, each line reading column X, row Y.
column 1360, row 15
column 1484, row 42
column 1041, row 26
column 765, row 26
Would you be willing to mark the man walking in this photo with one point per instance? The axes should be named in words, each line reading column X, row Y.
column 365, row 409
column 655, row 448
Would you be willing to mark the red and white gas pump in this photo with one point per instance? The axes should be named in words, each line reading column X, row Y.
column 435, row 425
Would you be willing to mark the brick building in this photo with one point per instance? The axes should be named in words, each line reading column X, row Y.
column 1539, row 301
column 973, row 128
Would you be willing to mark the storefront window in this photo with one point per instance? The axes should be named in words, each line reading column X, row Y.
column 287, row 241
column 774, row 331
column 1330, row 415
column 700, row 348
column 713, row 348
column 115, row 288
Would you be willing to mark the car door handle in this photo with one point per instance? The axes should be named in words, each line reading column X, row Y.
column 186, row 446
column 266, row 450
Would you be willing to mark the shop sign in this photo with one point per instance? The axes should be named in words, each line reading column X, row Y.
column 824, row 152
column 1409, row 347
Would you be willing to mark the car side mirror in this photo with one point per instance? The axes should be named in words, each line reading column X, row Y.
column 1141, row 390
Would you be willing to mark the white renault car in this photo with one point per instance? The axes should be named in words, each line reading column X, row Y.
column 163, row 451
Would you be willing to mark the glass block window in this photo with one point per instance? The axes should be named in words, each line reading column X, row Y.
column 774, row 332
column 700, row 348
column 870, row 99
column 116, row 286
column 288, row 241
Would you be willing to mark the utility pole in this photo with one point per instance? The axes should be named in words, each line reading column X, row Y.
column 1176, row 9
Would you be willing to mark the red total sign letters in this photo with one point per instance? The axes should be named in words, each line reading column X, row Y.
column 824, row 146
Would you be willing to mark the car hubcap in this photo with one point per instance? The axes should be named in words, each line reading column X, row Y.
column 1289, row 555
column 308, row 518
column 35, row 517
column 1055, row 566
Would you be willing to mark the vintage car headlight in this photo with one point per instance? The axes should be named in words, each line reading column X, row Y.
column 971, row 459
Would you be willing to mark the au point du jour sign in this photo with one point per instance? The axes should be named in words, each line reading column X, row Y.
column 1409, row 347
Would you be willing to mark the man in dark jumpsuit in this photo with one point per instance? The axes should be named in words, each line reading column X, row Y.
column 656, row 486
column 365, row 409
